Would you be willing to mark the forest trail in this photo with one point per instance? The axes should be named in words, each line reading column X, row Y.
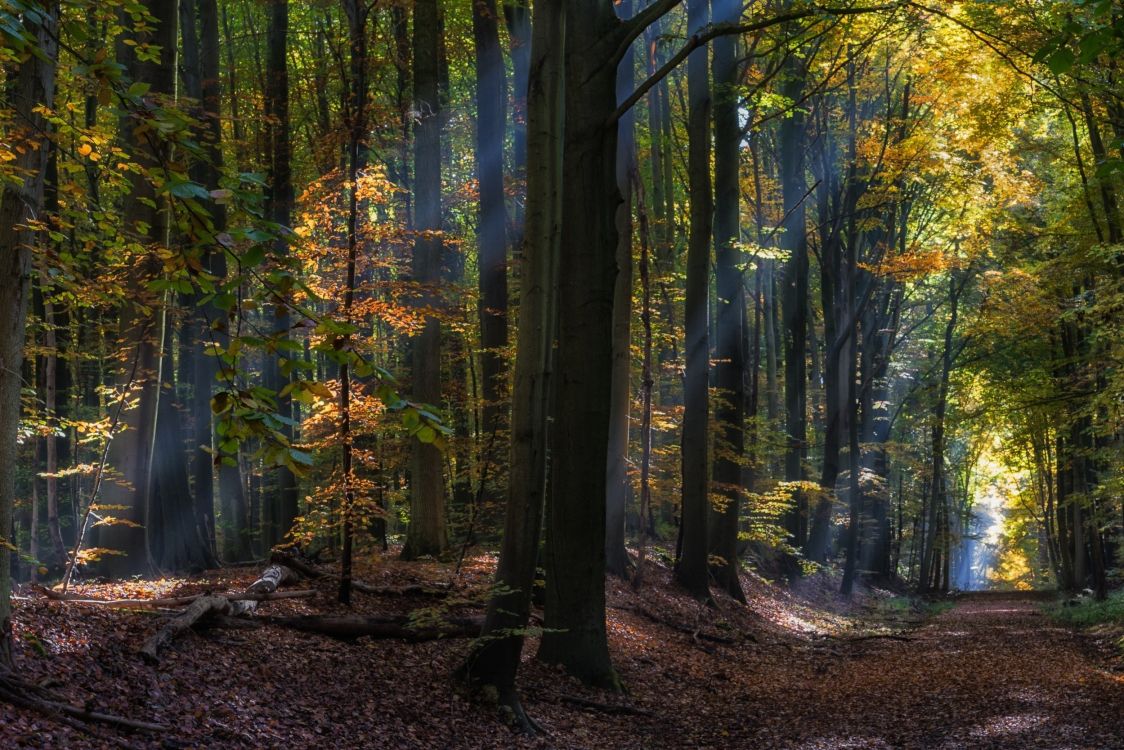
column 992, row 672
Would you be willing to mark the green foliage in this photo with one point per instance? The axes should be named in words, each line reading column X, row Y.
column 1085, row 611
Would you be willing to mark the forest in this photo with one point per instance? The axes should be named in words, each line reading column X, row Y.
column 562, row 373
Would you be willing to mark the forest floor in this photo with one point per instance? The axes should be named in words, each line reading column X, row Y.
column 796, row 668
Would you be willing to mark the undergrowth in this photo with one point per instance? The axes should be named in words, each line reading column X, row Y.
column 1086, row 612
column 905, row 605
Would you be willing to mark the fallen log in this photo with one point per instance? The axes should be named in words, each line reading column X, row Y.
column 295, row 563
column 271, row 578
column 200, row 609
column 308, row 570
column 415, row 589
column 174, row 601
column 350, row 627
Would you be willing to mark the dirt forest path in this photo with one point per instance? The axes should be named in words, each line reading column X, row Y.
column 992, row 672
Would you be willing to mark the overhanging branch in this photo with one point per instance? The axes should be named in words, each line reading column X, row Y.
column 714, row 31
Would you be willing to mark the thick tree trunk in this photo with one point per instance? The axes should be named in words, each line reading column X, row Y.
column 426, row 534
column 575, row 548
column 729, row 348
column 691, row 566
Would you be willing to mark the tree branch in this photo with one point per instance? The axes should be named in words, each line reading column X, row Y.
column 632, row 28
column 721, row 29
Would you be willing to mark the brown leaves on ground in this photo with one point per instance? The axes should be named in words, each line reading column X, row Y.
column 794, row 669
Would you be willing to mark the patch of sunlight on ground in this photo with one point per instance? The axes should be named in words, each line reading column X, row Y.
column 1005, row 726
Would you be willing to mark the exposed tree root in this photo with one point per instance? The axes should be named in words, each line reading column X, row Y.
column 514, row 715
column 695, row 633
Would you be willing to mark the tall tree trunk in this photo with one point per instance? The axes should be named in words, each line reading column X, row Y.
column 575, row 543
column 729, row 349
column 619, row 486
column 32, row 85
column 231, row 492
column 936, row 467
column 357, row 13
column 691, row 566
column 491, row 87
column 51, row 377
column 794, row 298
column 280, row 505
column 426, row 534
column 494, row 658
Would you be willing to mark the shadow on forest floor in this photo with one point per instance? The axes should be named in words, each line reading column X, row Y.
column 793, row 669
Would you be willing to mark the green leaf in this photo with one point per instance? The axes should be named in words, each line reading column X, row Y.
column 220, row 402
column 254, row 256
column 1061, row 61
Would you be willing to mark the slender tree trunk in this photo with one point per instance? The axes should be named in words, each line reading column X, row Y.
column 794, row 298
column 51, row 409
column 357, row 125
column 619, row 485
column 691, row 566
column 936, row 467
